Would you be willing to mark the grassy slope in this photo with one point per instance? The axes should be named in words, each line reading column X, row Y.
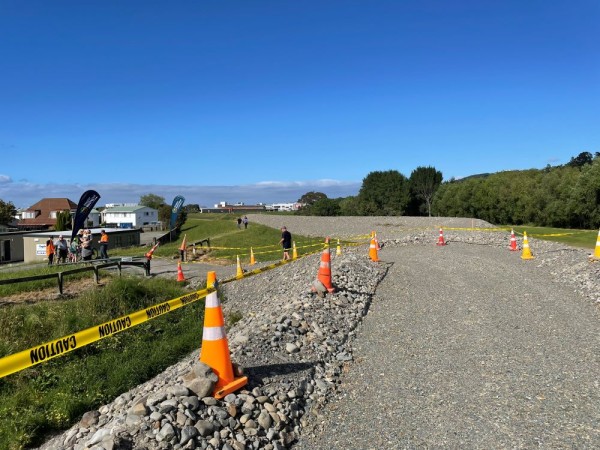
column 53, row 395
column 575, row 238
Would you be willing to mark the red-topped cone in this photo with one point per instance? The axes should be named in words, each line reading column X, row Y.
column 215, row 348
column 180, row 276
column 513, row 242
column 151, row 251
column 441, row 240
column 324, row 275
column 182, row 248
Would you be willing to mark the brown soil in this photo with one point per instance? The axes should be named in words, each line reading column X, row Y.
column 71, row 289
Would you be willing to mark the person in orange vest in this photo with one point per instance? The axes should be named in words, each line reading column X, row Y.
column 103, row 245
column 50, row 250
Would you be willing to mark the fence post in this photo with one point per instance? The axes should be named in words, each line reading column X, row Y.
column 147, row 267
column 96, row 274
column 60, row 282
column 119, row 267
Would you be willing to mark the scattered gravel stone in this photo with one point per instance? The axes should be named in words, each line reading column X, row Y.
column 294, row 342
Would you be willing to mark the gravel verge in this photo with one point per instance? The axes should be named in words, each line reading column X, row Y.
column 464, row 345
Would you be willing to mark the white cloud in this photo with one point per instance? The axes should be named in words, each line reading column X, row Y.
column 25, row 194
column 5, row 179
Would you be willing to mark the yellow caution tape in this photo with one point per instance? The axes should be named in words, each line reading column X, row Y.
column 49, row 350
column 66, row 344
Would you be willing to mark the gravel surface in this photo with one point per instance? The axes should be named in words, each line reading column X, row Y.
column 457, row 346
column 468, row 346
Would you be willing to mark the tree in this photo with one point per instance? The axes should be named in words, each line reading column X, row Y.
column 7, row 212
column 164, row 214
column 424, row 181
column 191, row 208
column 384, row 193
column 349, row 206
column 63, row 220
column 310, row 197
column 152, row 201
column 581, row 160
column 325, row 207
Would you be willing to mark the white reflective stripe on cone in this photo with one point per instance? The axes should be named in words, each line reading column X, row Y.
column 325, row 264
column 212, row 300
column 213, row 333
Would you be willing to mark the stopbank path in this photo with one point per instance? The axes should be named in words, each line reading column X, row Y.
column 468, row 347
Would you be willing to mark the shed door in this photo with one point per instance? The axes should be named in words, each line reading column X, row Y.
column 5, row 250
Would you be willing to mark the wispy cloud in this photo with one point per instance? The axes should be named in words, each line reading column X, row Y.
column 23, row 194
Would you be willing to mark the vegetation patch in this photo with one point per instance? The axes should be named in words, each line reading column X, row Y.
column 52, row 396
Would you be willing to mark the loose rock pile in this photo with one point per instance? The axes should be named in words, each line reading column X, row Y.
column 293, row 347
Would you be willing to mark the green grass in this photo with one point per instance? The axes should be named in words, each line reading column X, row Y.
column 53, row 395
column 575, row 238
column 223, row 232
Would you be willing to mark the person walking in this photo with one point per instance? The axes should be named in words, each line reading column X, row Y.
column 245, row 220
column 62, row 246
column 239, row 223
column 50, row 250
column 286, row 242
column 103, row 245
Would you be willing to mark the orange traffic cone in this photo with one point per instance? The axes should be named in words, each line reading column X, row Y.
column 215, row 348
column 324, row 274
column 239, row 273
column 374, row 236
column 596, row 254
column 252, row 260
column 182, row 248
column 151, row 251
column 526, row 250
column 338, row 250
column 513, row 241
column 441, row 240
column 180, row 276
column 373, row 250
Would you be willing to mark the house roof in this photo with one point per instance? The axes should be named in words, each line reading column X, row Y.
column 45, row 206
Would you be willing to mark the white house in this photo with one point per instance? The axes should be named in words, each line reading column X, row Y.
column 283, row 207
column 93, row 219
column 129, row 216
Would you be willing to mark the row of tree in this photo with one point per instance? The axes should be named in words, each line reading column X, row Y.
column 387, row 193
column 566, row 196
column 561, row 196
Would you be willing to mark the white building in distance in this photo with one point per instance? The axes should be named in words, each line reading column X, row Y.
column 129, row 216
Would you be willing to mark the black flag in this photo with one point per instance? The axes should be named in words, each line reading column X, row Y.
column 84, row 207
column 175, row 209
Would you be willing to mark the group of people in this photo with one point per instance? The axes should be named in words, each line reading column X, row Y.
column 61, row 251
column 241, row 221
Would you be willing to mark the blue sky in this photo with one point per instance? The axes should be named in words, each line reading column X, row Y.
column 262, row 101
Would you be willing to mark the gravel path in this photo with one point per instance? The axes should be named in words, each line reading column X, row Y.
column 461, row 346
column 468, row 346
